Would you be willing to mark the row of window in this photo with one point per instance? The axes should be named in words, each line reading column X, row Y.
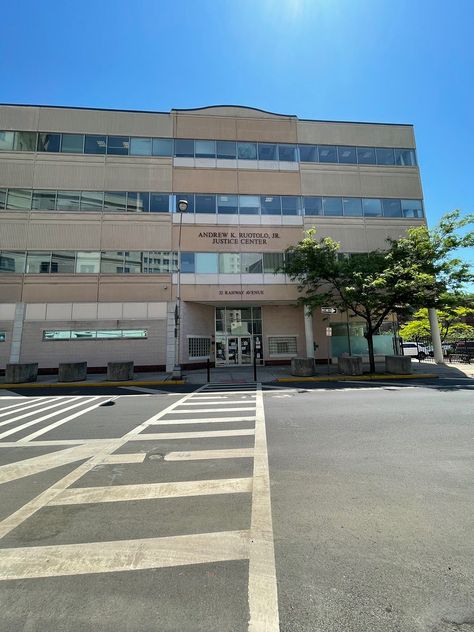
column 225, row 204
column 188, row 148
column 94, row 334
column 148, row 262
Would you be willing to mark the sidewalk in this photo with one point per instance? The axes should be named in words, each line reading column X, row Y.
column 241, row 374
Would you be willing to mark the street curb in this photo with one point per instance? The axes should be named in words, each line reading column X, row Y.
column 86, row 384
column 357, row 378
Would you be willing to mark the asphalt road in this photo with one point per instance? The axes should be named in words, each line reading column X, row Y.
column 131, row 511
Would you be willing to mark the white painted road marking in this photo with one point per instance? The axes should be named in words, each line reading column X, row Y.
column 179, row 489
column 198, row 455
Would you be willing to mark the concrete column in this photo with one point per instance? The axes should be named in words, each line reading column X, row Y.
column 17, row 333
column 435, row 336
column 308, row 332
column 170, row 346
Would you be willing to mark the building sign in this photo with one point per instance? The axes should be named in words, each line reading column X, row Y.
column 241, row 293
column 328, row 310
column 243, row 238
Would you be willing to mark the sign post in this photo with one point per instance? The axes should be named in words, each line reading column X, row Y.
column 328, row 336
column 328, row 310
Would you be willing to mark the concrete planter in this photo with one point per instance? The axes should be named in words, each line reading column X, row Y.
column 302, row 367
column 18, row 373
column 349, row 365
column 119, row 371
column 72, row 372
column 401, row 365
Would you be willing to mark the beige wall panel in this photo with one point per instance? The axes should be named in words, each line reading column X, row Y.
column 229, row 294
column 350, row 234
column 261, row 182
column 130, row 175
column 281, row 130
column 212, row 127
column 126, row 232
column 77, row 173
column 17, row 117
column 205, row 180
column 377, row 234
column 283, row 320
column 60, row 232
column 238, row 111
column 355, row 134
column 395, row 184
column 48, row 354
column 7, row 311
column 134, row 288
column 13, row 233
column 201, row 238
column 105, row 122
column 197, row 320
column 16, row 171
column 59, row 289
column 10, row 288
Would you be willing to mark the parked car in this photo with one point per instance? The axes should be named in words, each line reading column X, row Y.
column 418, row 350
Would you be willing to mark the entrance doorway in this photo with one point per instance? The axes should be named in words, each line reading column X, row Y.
column 234, row 350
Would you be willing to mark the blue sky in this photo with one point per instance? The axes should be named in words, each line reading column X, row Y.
column 407, row 61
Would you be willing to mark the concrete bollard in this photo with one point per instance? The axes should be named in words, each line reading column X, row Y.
column 401, row 365
column 18, row 373
column 349, row 365
column 302, row 367
column 119, row 371
column 72, row 372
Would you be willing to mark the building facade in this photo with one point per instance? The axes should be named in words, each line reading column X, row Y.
column 90, row 238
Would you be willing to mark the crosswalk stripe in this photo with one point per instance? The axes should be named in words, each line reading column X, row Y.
column 198, row 455
column 212, row 420
column 212, row 410
column 124, row 458
column 230, row 401
column 59, row 401
column 24, row 401
column 196, row 434
column 122, row 555
column 60, row 422
column 44, row 417
column 178, row 489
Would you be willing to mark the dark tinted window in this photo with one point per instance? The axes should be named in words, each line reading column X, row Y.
column 347, row 155
column 309, row 153
column 270, row 204
column 385, row 156
column 44, row 200
column 184, row 148
column 352, row 206
column 19, row 199
column 25, row 141
column 68, row 200
column 247, row 151
column 327, row 153
column 3, row 198
column 162, row 147
column 118, row 145
column 205, row 203
column 227, row 204
column 249, row 204
column 332, row 206
column 372, row 207
column 72, row 143
column 48, row 142
column 290, row 205
column 267, row 151
column 92, row 200
column 63, row 262
column 392, row 208
column 115, row 201
column 287, row 153
column 6, row 140
column 205, row 148
column 313, row 205
column 159, row 202
column 411, row 208
column 226, row 149
column 405, row 157
column 366, row 155
column 140, row 147
column 187, row 262
column 95, row 144
column 138, row 202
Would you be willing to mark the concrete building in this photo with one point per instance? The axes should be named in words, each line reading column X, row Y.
column 89, row 234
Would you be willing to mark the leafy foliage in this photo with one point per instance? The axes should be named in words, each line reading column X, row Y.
column 415, row 271
column 451, row 323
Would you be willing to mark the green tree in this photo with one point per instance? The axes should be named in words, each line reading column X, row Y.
column 451, row 320
column 415, row 271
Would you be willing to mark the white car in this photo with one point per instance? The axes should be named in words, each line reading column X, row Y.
column 419, row 350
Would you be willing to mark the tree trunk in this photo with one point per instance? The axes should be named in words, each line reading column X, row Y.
column 370, row 344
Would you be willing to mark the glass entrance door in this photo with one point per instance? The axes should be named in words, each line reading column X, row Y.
column 233, row 350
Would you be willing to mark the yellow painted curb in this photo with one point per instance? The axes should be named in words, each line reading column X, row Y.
column 359, row 378
column 85, row 384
